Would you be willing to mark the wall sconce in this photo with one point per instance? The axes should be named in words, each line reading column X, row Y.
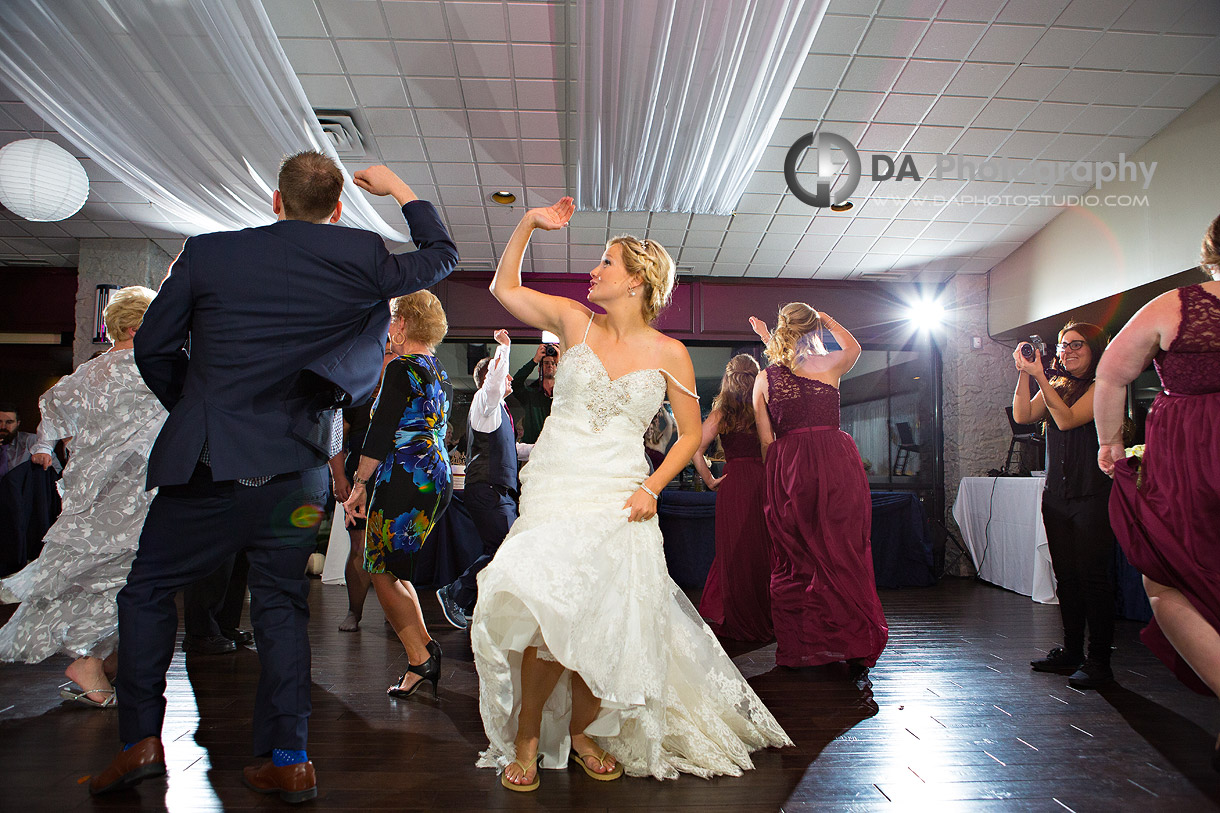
column 99, row 315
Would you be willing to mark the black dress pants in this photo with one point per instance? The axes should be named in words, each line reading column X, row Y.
column 1082, row 555
column 493, row 509
column 191, row 529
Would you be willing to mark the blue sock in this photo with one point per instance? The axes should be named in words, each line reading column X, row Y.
column 284, row 756
column 127, row 745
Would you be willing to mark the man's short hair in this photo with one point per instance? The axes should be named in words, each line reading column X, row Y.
column 310, row 185
column 480, row 372
column 10, row 406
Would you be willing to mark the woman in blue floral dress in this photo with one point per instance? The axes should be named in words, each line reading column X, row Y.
column 405, row 461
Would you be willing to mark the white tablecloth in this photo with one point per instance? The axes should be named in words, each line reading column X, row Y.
column 1001, row 522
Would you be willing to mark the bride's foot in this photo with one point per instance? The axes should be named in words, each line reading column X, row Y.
column 523, row 771
column 89, row 674
column 596, row 761
column 350, row 624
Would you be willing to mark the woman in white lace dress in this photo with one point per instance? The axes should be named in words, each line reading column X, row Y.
column 67, row 594
column 585, row 647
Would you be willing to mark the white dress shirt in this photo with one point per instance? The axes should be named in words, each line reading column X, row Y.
column 486, row 408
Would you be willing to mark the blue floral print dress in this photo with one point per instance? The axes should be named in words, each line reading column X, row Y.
column 413, row 484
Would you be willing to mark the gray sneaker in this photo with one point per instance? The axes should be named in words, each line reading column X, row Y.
column 454, row 614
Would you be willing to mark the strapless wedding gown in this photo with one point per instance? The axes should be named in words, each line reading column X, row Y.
column 591, row 591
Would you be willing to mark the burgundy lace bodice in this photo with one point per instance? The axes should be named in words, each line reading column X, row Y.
column 794, row 402
column 740, row 444
column 1191, row 366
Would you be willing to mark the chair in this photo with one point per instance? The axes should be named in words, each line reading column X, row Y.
column 906, row 445
column 1022, row 433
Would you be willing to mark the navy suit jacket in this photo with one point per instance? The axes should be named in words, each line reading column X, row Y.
column 283, row 324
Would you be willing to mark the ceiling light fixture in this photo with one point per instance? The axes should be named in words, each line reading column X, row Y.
column 503, row 198
column 842, row 207
column 41, row 181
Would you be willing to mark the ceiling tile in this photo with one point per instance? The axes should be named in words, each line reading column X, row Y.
column 391, row 121
column 1116, row 50
column 368, row 57
column 901, row 108
column 294, row 18
column 1003, row 113
column 1202, row 18
column 483, row 59
column 415, row 20
column 888, row 138
column 1097, row 119
column 444, row 123
column 979, row 79
column 1031, row 83
column 1031, row 11
column 536, row 22
column 925, row 76
column 1133, row 89
column 838, row 35
column 871, row 73
column 476, row 21
column 1146, row 122
column 1084, row 86
column 540, row 124
column 949, row 40
column 971, row 10
column 426, row 58
column 954, row 110
column 854, row 106
column 1062, row 47
column 1149, row 15
column 1092, row 13
column 911, row 9
column 538, row 151
column 311, row 55
column 327, row 91
column 493, row 124
column 1182, row 90
column 380, row 91
column 496, row 150
column 488, row 94
column 537, row 61
column 1007, row 43
column 933, row 139
column 806, row 104
column 822, row 71
column 355, row 18
column 892, row 38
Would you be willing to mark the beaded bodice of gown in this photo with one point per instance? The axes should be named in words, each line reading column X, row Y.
column 794, row 402
column 1191, row 366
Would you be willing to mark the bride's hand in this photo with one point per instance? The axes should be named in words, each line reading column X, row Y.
column 642, row 506
column 552, row 217
column 760, row 327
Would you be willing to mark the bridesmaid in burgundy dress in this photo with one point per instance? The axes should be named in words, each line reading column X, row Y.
column 823, row 597
column 736, row 602
column 1165, row 509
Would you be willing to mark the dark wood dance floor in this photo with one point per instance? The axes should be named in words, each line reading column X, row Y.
column 955, row 721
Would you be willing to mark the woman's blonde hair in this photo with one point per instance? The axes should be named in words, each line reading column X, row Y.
column 126, row 311
column 735, row 399
column 423, row 316
column 650, row 263
column 797, row 336
column 1210, row 256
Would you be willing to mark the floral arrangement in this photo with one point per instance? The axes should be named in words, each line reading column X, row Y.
column 1135, row 451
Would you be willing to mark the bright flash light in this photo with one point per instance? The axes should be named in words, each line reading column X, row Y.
column 927, row 314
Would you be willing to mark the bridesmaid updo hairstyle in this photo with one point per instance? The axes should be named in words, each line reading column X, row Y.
column 735, row 399
column 1210, row 259
column 797, row 336
column 423, row 317
column 649, row 262
column 126, row 311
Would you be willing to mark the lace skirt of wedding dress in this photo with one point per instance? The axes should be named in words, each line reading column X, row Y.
column 68, row 593
column 591, row 591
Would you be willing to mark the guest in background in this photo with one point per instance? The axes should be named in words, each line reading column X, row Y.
column 491, row 477
column 736, row 598
column 1166, row 507
column 1074, row 504
column 211, row 610
column 15, row 445
column 404, row 457
column 67, row 594
column 819, row 509
column 535, row 399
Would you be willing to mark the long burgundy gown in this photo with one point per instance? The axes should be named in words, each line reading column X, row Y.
column 736, row 597
column 1168, row 520
column 823, row 597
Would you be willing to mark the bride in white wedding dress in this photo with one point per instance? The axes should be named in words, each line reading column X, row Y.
column 583, row 644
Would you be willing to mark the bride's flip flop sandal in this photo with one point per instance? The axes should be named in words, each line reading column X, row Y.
column 82, row 696
column 536, row 762
column 601, row 760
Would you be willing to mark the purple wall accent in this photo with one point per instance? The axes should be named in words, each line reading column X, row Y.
column 710, row 309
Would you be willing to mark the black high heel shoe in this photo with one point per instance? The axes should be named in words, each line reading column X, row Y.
column 428, row 671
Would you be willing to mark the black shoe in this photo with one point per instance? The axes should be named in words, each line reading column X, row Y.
column 434, row 649
column 1058, row 662
column 207, row 645
column 429, row 672
column 454, row 614
column 1092, row 675
column 239, row 637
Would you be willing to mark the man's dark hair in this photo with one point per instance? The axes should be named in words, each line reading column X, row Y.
column 9, row 406
column 310, row 185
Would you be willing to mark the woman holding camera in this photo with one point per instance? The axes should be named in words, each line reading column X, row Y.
column 1075, row 502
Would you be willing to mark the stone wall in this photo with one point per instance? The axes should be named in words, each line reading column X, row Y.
column 112, row 262
column 978, row 384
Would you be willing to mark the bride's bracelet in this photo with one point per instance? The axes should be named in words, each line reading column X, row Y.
column 648, row 491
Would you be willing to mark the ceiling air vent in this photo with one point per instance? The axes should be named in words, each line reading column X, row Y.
column 341, row 129
column 882, row 275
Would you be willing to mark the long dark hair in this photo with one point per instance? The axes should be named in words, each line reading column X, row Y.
column 1070, row 387
column 735, row 399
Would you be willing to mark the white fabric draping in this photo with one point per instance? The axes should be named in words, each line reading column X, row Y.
column 677, row 99
column 1001, row 522
column 191, row 103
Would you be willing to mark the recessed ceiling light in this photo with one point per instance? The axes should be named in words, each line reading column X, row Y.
column 504, row 198
column 842, row 207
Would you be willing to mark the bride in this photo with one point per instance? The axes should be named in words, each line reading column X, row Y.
column 585, row 648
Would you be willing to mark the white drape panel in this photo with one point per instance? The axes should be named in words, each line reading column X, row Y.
column 191, row 103
column 677, row 99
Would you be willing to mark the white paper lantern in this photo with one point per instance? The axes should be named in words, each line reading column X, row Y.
column 40, row 180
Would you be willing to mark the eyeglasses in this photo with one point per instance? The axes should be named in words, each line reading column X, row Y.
column 1063, row 347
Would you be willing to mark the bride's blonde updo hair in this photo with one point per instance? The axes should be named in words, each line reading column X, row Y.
column 797, row 336
column 650, row 263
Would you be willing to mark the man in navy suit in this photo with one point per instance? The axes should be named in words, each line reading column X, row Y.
column 253, row 341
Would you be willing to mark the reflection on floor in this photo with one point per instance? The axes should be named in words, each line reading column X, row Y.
column 954, row 720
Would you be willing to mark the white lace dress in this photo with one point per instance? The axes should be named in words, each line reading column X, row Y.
column 590, row 590
column 67, row 594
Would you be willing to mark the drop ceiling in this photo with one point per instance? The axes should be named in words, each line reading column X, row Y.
column 466, row 98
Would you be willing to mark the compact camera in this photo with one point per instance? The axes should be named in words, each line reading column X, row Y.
column 1035, row 342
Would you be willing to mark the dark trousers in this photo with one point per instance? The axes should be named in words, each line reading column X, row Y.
column 214, row 603
column 191, row 529
column 493, row 509
column 1082, row 555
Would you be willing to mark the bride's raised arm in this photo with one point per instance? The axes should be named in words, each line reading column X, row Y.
column 543, row 311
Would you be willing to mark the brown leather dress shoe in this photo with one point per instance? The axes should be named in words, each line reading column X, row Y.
column 294, row 783
column 131, row 767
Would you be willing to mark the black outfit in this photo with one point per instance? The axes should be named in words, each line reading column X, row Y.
column 490, row 497
column 535, row 403
column 212, row 606
column 1075, row 511
column 357, row 419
